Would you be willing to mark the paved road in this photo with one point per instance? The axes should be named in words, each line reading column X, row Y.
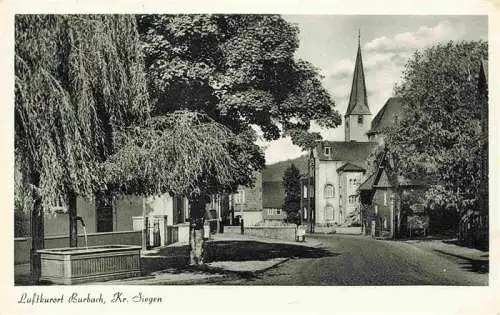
column 357, row 260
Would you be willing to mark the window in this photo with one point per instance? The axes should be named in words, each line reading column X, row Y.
column 395, row 118
column 329, row 191
column 305, row 213
column 273, row 211
column 305, row 191
column 385, row 198
column 327, row 151
column 376, row 209
column 360, row 119
column 385, row 224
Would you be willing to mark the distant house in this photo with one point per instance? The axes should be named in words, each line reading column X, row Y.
column 273, row 191
column 273, row 194
column 246, row 203
column 390, row 204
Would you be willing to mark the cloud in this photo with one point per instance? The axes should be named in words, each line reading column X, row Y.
column 421, row 38
column 341, row 69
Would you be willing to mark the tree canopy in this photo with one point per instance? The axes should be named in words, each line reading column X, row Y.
column 77, row 79
column 239, row 70
column 440, row 136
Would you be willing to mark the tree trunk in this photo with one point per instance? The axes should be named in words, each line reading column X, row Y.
column 37, row 240
column 73, row 228
column 196, row 242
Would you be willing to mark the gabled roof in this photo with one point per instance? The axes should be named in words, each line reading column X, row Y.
column 273, row 194
column 358, row 102
column 353, row 152
column 350, row 167
column 368, row 183
column 382, row 179
column 385, row 117
column 274, row 172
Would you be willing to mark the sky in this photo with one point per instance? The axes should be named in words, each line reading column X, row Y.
column 330, row 42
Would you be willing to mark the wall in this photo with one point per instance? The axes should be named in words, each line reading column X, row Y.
column 58, row 224
column 355, row 131
column 348, row 188
column 326, row 173
column 384, row 209
column 251, row 218
column 286, row 233
column 22, row 245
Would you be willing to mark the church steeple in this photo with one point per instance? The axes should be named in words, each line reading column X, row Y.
column 358, row 113
column 358, row 102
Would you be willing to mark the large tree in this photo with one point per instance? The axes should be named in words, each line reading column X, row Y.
column 291, row 204
column 78, row 78
column 440, row 136
column 238, row 69
column 83, row 125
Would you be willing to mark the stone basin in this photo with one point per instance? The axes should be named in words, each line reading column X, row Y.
column 72, row 265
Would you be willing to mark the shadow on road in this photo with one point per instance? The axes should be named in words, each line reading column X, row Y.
column 253, row 250
column 474, row 265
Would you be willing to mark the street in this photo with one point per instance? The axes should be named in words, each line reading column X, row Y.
column 357, row 260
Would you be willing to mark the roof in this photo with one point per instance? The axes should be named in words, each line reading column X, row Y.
column 273, row 194
column 385, row 117
column 368, row 183
column 358, row 102
column 353, row 152
column 274, row 172
column 350, row 167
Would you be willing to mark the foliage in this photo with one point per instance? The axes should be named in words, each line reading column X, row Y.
column 238, row 69
column 181, row 153
column 77, row 79
column 439, row 136
column 291, row 182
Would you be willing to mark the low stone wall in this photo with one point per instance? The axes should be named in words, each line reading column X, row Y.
column 22, row 245
column 286, row 233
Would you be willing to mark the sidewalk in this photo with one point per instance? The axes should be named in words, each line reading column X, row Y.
column 450, row 247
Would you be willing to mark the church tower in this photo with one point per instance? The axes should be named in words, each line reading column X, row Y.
column 358, row 116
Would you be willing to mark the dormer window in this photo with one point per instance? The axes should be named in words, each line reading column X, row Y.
column 327, row 150
column 360, row 119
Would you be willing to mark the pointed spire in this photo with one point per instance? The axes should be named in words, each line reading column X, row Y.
column 358, row 102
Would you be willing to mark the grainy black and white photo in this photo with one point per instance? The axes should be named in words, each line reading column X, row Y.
column 250, row 149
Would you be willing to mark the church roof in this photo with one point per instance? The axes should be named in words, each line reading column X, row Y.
column 358, row 101
column 353, row 152
column 385, row 116
column 350, row 167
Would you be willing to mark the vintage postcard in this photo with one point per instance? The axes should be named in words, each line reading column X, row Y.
column 231, row 158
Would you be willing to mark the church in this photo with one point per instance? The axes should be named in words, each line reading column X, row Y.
column 341, row 166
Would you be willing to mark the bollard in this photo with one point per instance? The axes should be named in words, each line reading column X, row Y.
column 242, row 227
